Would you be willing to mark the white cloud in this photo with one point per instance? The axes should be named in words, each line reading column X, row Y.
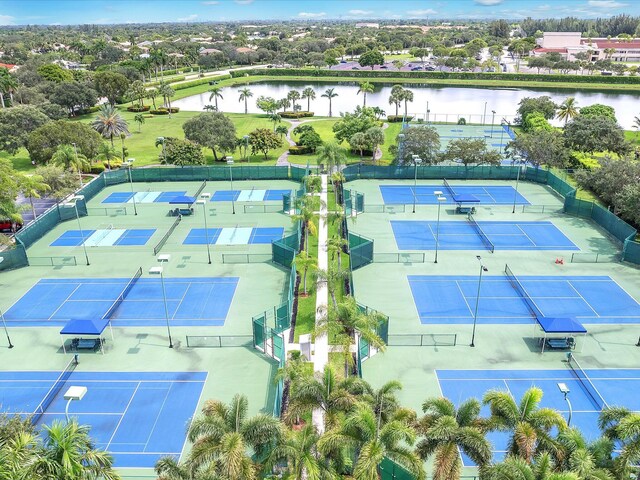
column 210, row 2
column 419, row 13
column 606, row 4
column 6, row 20
column 311, row 14
column 360, row 12
column 188, row 18
column 243, row 2
column 489, row 3
column 543, row 8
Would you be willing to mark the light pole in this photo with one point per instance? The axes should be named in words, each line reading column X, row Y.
column 74, row 204
column 160, row 271
column 501, row 135
column 484, row 114
column 428, row 112
column 246, row 147
column 565, row 391
column 164, row 154
column 233, row 201
column 73, row 393
column 416, row 161
column 493, row 117
column 203, row 201
column 6, row 331
column 515, row 193
column 75, row 149
column 440, row 199
column 475, row 312
column 129, row 164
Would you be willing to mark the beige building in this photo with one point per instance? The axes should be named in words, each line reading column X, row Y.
column 568, row 44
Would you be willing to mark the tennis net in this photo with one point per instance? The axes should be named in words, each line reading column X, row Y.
column 123, row 294
column 448, row 187
column 54, row 390
column 201, row 189
column 490, row 246
column 515, row 283
column 103, row 235
column 587, row 384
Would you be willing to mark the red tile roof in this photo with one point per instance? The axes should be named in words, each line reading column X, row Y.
column 612, row 44
column 8, row 66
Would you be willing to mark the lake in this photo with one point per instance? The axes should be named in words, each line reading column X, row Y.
column 445, row 104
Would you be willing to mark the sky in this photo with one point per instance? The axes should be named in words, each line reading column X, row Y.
column 65, row 12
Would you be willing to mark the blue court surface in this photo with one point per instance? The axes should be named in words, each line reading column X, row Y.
column 107, row 237
column 249, row 195
column 617, row 387
column 496, row 195
column 138, row 417
column 233, row 236
column 462, row 235
column 589, row 299
column 201, row 301
column 142, row 197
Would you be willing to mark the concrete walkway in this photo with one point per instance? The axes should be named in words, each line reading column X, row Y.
column 283, row 160
column 321, row 350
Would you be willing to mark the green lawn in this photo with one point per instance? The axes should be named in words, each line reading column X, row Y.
column 306, row 315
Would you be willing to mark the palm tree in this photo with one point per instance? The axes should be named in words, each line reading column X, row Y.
column 245, row 94
column 310, row 94
column 636, row 124
column 106, row 153
column 284, row 103
column 305, row 263
column 446, row 429
column 281, row 130
column 588, row 461
column 276, row 118
column 139, row 119
column 167, row 92
column 152, row 94
column 530, row 426
column 335, row 246
column 332, row 155
column 406, row 96
column 67, row 157
column 216, row 93
column 69, row 453
column 395, row 98
column 330, row 94
column 109, row 123
column 622, row 426
column 365, row 87
column 222, row 436
column 307, row 217
column 293, row 96
column 567, row 109
column 365, row 435
column 516, row 468
column 32, row 186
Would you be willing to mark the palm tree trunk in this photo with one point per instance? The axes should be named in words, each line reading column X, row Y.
column 245, row 106
column 33, row 208
column 330, row 107
column 365, row 99
column 308, row 104
column 2, row 99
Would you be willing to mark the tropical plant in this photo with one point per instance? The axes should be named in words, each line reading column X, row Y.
column 364, row 88
column 445, row 429
column 395, row 98
column 310, row 94
column 307, row 215
column 67, row 157
column 106, row 153
column 589, row 461
column 245, row 95
column 32, row 186
column 166, row 92
column 215, row 94
column 567, row 109
column 109, row 123
column 293, row 96
column 282, row 130
column 329, row 94
column 8, row 84
column 139, row 119
column 406, row 96
column 636, row 124
column 305, row 263
column 335, row 246
column 331, row 155
column 622, row 426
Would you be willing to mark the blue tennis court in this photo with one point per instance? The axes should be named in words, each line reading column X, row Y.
column 589, row 299
column 253, row 195
column 106, row 237
column 142, row 197
column 492, row 195
column 233, row 236
column 138, row 417
column 614, row 386
column 201, row 301
column 461, row 235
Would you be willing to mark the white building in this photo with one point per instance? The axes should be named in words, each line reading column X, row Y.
column 568, row 44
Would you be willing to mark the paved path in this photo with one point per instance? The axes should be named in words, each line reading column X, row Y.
column 283, row 160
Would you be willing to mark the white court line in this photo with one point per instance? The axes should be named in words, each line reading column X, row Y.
column 465, row 300
column 583, row 299
column 65, row 301
column 123, row 415
column 158, row 417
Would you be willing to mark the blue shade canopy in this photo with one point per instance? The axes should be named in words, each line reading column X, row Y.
column 182, row 199
column 85, row 327
column 561, row 325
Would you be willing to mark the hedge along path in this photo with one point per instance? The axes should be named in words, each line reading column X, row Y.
column 283, row 160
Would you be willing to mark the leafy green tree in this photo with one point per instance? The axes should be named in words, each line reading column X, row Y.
column 269, row 105
column 215, row 94
column 16, row 124
column 567, row 109
column 586, row 460
column 282, row 130
column 530, row 426
column 8, row 84
column 310, row 139
column 32, row 186
column 211, row 130
column 595, row 134
column 599, row 110
column 44, row 140
column 74, row 96
column 371, row 59
column 421, row 141
column 374, row 137
column 305, row 263
column 611, row 178
column 181, row 152
column 445, row 429
column 293, row 97
column 331, row 155
column 310, row 94
column 307, row 216
column 619, row 424
column 167, row 93
column 364, row 88
column 264, row 140
column 66, row 156
column 54, row 73
column 359, row 143
column 112, row 85
column 245, row 95
column 535, row 121
column 360, row 120
column 9, row 189
column 330, row 95
column 62, row 182
column 627, row 201
column 139, row 119
column 543, row 104
column 499, row 28
column 137, row 92
column 540, row 147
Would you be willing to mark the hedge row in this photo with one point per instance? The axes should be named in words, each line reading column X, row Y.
column 200, row 81
column 296, row 114
column 138, row 109
column 164, row 111
column 397, row 118
column 514, row 77
column 160, row 82
column 299, row 150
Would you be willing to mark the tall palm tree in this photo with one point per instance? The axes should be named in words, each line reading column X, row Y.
column 530, row 426
column 567, row 109
column 371, row 440
column 406, row 96
column 310, row 94
column 331, row 155
column 307, row 217
column 69, row 453
column 516, row 468
column 152, row 94
column 636, row 124
column 66, row 156
column 216, row 93
column 139, row 119
column 620, row 425
column 365, row 87
column 330, row 94
column 293, row 96
column 167, row 92
column 245, row 94
column 335, row 246
column 109, row 123
column 223, row 435
column 32, row 186
column 446, row 429
column 305, row 263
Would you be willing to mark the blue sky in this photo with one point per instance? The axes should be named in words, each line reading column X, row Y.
column 17, row 12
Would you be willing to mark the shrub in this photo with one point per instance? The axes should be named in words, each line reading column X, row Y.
column 159, row 111
column 201, row 81
column 114, row 164
column 137, row 109
column 97, row 168
column 462, row 121
column 299, row 150
column 397, row 118
column 173, row 109
column 296, row 114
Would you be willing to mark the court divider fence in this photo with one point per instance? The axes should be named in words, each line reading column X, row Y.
column 360, row 251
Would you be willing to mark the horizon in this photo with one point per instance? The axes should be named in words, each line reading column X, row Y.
column 123, row 12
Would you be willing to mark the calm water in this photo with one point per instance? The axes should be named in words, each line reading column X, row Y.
column 443, row 103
